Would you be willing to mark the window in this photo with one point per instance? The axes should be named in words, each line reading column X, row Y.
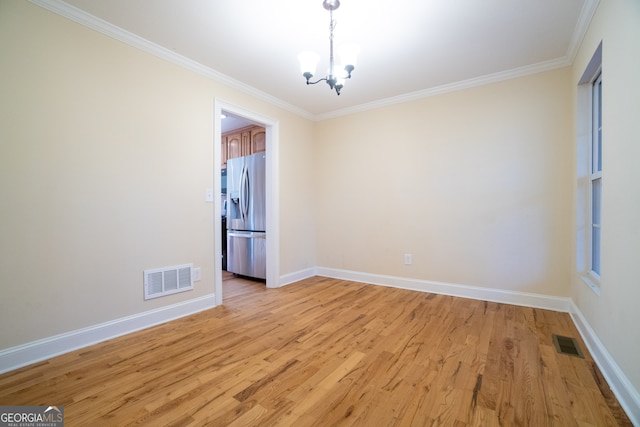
column 589, row 173
column 596, row 173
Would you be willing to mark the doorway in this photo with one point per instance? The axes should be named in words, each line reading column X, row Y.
column 241, row 116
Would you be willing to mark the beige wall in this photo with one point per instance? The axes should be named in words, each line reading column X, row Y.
column 297, row 215
column 614, row 314
column 105, row 155
column 475, row 184
column 104, row 158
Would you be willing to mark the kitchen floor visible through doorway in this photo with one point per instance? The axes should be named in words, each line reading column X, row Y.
column 233, row 286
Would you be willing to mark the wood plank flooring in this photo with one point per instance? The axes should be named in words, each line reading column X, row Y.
column 327, row 352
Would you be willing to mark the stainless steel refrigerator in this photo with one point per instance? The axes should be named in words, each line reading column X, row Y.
column 246, row 209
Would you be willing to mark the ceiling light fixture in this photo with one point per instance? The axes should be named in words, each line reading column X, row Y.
column 348, row 53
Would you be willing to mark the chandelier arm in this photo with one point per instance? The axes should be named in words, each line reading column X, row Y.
column 324, row 79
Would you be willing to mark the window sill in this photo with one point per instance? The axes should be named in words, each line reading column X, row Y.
column 592, row 282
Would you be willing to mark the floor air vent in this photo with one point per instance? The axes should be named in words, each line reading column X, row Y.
column 567, row 345
column 168, row 280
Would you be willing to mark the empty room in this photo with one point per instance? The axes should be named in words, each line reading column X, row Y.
column 319, row 213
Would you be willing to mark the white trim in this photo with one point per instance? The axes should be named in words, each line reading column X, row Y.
column 586, row 15
column 620, row 385
column 591, row 281
column 451, row 87
column 273, row 203
column 463, row 291
column 81, row 17
column 46, row 348
column 217, row 202
column 585, row 174
column 595, row 175
column 272, row 127
column 622, row 388
column 78, row 15
column 290, row 278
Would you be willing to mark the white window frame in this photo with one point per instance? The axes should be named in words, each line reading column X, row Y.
column 589, row 154
column 595, row 211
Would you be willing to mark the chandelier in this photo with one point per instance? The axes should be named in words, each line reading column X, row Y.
column 347, row 53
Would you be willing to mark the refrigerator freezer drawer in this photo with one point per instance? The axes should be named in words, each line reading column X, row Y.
column 247, row 253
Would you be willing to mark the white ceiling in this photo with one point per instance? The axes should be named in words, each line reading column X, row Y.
column 409, row 48
column 233, row 122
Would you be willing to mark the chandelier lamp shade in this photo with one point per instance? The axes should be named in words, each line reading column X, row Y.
column 347, row 55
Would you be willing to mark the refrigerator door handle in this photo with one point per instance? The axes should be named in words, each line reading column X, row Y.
column 242, row 195
column 244, row 206
column 249, row 235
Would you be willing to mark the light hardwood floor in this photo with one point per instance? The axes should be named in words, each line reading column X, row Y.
column 327, row 352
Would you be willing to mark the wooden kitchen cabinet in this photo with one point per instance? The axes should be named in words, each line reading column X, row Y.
column 234, row 145
column 258, row 140
column 242, row 142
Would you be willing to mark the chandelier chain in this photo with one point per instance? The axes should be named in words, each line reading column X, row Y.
column 332, row 26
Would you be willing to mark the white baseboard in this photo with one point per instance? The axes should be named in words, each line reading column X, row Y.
column 473, row 292
column 46, row 348
column 627, row 395
column 622, row 388
column 290, row 278
column 624, row 391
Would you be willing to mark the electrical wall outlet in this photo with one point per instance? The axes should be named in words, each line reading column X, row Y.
column 196, row 274
column 408, row 259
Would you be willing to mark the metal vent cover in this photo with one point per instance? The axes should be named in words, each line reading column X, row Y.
column 567, row 345
column 167, row 280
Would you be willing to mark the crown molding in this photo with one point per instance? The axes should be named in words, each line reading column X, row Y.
column 68, row 11
column 586, row 15
column 452, row 87
column 77, row 15
column 580, row 30
column 584, row 20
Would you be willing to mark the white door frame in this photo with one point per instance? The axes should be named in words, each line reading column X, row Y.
column 272, row 192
